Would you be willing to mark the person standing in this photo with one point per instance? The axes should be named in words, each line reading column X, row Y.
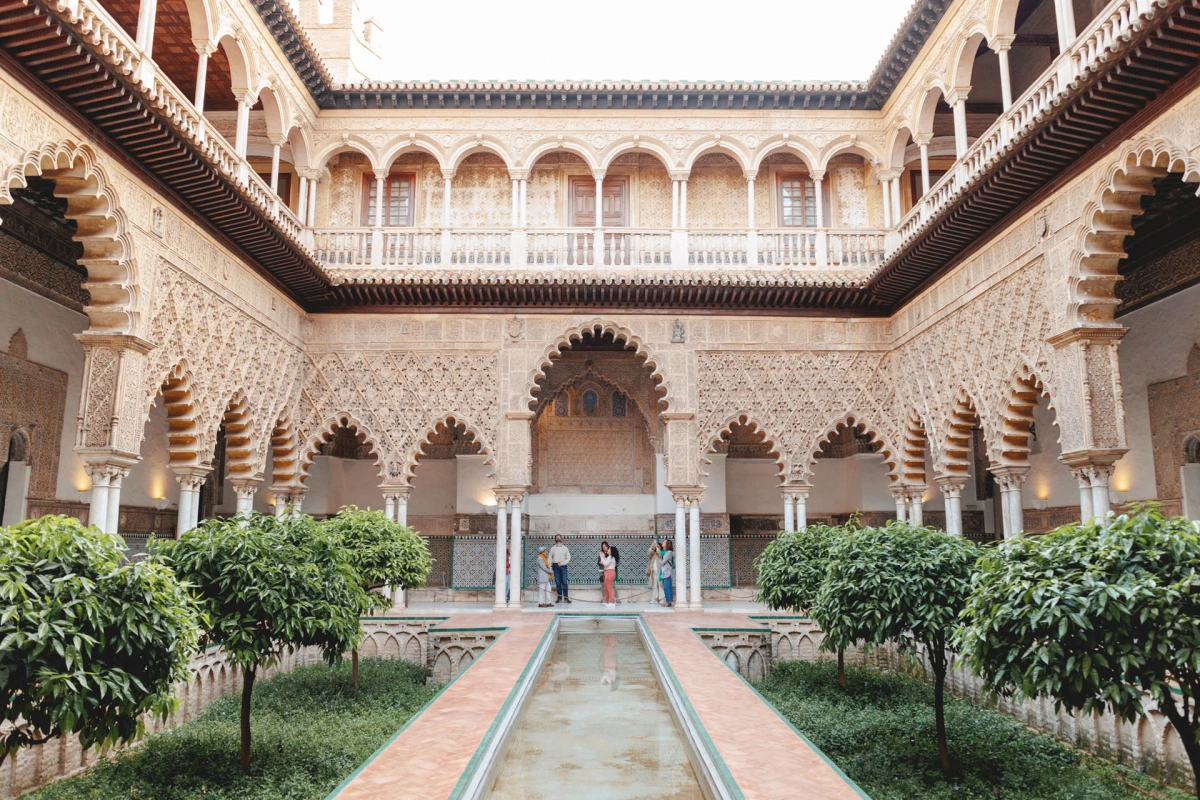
column 560, row 556
column 653, row 565
column 667, row 565
column 616, row 554
column 543, row 578
column 608, row 567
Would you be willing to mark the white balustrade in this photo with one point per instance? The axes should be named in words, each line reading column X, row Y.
column 559, row 247
column 850, row 249
column 410, row 247
column 637, row 248
column 717, row 248
column 788, row 248
column 480, row 247
column 1094, row 46
column 343, row 248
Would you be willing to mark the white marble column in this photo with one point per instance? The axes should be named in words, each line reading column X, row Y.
column 515, row 551
column 899, row 495
column 275, row 147
column 675, row 204
column 402, row 507
column 1011, row 480
column 190, row 481
column 1083, row 480
column 245, row 489
column 1064, row 13
column 886, row 185
column 311, row 217
column 98, row 507
column 1001, row 45
column 897, row 212
column 923, row 143
column 447, row 239
column 951, row 487
column 959, row 106
column 916, row 505
column 681, row 562
column 280, row 496
column 683, row 220
column 389, row 506
column 789, row 513
column 302, row 209
column 113, row 522
column 502, row 510
column 145, row 26
column 801, row 498
column 694, row 551
column 524, row 203
column 515, row 216
column 242, row 134
column 203, row 50
column 751, row 225
column 1100, row 475
column 598, row 241
column 297, row 500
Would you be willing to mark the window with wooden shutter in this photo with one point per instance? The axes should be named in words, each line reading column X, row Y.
column 397, row 201
column 797, row 201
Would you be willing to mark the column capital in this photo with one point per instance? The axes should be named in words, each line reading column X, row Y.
column 956, row 94
column 396, row 492
column 281, row 495
column 96, row 458
column 515, row 494
column 245, row 487
column 190, row 478
column 751, row 174
column 899, row 493
column 598, row 174
column 795, row 490
column 518, row 174
column 1001, row 42
column 448, row 174
column 381, row 173
column 204, row 47
column 309, row 173
column 246, row 96
column 679, row 174
column 686, row 495
column 950, row 485
column 890, row 174
column 922, row 139
column 817, row 175
column 1010, row 477
column 1087, row 459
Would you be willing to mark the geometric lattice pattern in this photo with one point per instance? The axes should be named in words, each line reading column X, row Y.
column 474, row 562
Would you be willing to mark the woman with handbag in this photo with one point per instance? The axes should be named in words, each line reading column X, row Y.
column 667, row 564
column 609, row 566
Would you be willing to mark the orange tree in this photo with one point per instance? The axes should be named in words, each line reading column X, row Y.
column 89, row 641
column 269, row 586
column 1095, row 616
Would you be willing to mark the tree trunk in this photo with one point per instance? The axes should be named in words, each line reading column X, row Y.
column 1186, row 728
column 247, row 690
column 354, row 669
column 842, row 667
column 939, row 703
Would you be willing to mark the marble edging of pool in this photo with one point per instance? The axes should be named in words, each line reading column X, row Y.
column 820, row 753
column 349, row 778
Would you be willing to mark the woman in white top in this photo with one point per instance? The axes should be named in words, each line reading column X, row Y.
column 609, row 565
column 653, row 563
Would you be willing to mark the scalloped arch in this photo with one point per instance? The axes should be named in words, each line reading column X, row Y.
column 564, row 342
column 108, row 253
column 452, row 420
column 891, row 456
column 323, row 434
column 1107, row 219
column 1020, row 397
column 743, row 418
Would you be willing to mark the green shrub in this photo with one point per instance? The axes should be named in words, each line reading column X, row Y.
column 881, row 732
column 310, row 732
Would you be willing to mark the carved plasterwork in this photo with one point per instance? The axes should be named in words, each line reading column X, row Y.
column 32, row 399
column 396, row 399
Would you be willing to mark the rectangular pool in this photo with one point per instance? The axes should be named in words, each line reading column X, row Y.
column 594, row 721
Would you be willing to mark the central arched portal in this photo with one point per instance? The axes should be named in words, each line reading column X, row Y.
column 597, row 475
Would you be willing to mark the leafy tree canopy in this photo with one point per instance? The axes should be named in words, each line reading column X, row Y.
column 384, row 552
column 1092, row 614
column 89, row 641
column 270, row 584
column 791, row 568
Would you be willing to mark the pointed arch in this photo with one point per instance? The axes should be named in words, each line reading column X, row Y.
column 325, row 433
column 649, row 416
column 599, row 326
column 451, row 420
column 744, row 419
column 802, row 468
column 92, row 203
column 1107, row 220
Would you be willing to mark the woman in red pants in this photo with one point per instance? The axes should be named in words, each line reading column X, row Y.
column 609, row 566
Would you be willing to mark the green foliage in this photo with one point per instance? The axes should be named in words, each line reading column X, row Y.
column 270, row 584
column 89, row 641
column 384, row 552
column 791, row 568
column 881, row 732
column 884, row 583
column 311, row 731
column 1091, row 614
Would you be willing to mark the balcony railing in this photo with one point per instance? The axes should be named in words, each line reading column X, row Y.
column 1114, row 24
column 558, row 248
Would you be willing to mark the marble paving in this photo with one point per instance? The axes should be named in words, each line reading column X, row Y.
column 427, row 759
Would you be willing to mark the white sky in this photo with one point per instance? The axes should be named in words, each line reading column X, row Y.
column 634, row 39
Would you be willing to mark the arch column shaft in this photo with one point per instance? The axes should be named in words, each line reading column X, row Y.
column 514, row 531
column 960, row 127
column 201, row 81
column 1085, row 494
column 789, row 512
column 681, row 560
column 302, row 210
column 98, row 507
column 275, row 168
column 1006, row 97
column 312, row 203
column 243, row 126
column 147, row 11
column 502, row 510
column 901, row 505
column 896, row 215
column 1101, row 503
column 887, row 203
column 694, row 554
column 924, row 169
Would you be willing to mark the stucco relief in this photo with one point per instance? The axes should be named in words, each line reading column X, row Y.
column 398, row 398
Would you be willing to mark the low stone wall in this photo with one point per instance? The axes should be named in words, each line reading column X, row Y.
column 212, row 677
column 1149, row 744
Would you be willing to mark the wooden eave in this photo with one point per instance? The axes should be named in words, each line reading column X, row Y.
column 45, row 47
column 1150, row 67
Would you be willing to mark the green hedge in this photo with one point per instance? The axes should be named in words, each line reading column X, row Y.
column 310, row 732
column 880, row 732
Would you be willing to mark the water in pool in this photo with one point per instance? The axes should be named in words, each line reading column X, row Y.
column 597, row 727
